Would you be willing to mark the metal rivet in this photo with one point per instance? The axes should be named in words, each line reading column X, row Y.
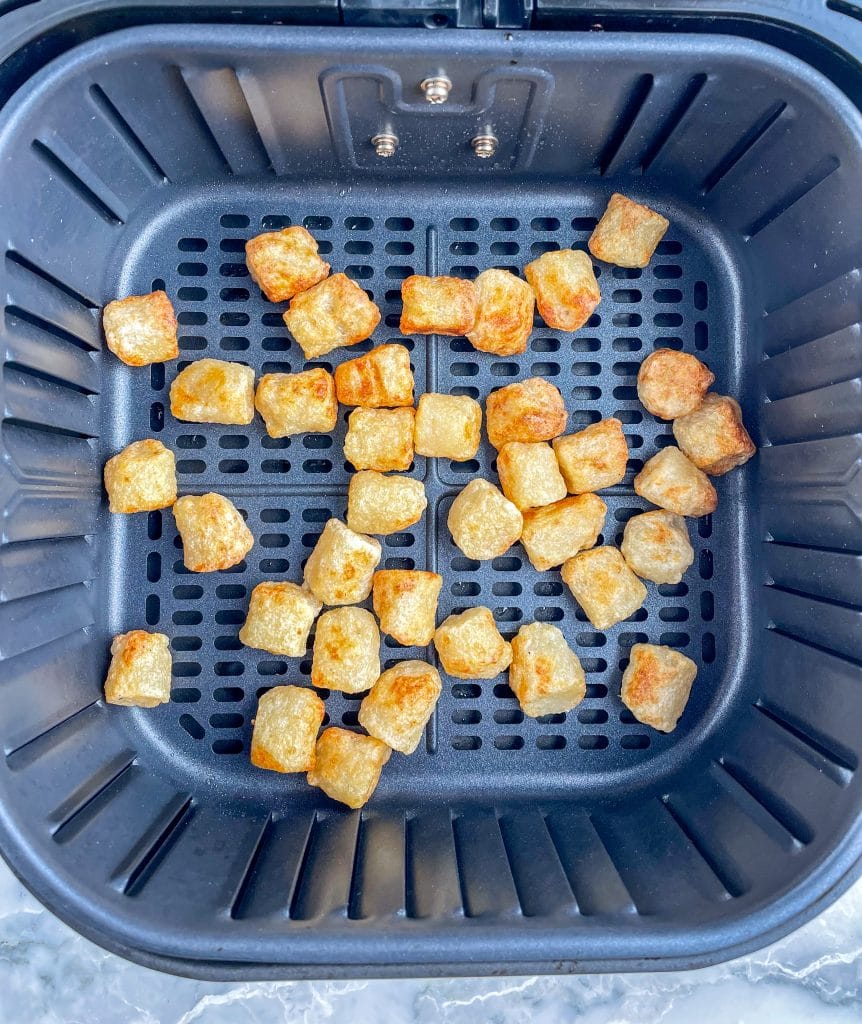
column 484, row 145
column 385, row 143
column 436, row 88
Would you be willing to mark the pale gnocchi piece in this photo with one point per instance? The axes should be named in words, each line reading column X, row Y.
column 504, row 321
column 557, row 532
column 346, row 650
column 484, row 524
column 297, row 403
column 285, row 729
column 332, row 314
column 382, row 378
column 141, row 478
column 545, row 675
column 566, row 288
column 604, row 586
column 140, row 672
column 384, row 504
column 437, row 305
column 405, row 602
column 341, row 567
column 627, row 233
column 141, row 329
column 529, row 474
column 672, row 383
column 400, row 703
column 214, row 391
column 656, row 546
column 657, row 684
column 713, row 437
column 380, row 439
column 280, row 617
column 448, row 427
column 530, row 410
column 673, row 482
column 213, row 533
column 284, row 263
column 347, row 765
column 593, row 458
column 470, row 646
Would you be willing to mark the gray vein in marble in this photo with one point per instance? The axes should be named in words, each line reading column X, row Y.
column 50, row 975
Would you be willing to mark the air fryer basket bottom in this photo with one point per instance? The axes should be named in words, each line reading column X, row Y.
column 289, row 487
column 578, row 842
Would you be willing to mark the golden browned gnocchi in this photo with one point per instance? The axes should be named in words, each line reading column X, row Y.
column 673, row 482
column 437, row 305
column 213, row 533
column 529, row 474
column 656, row 546
column 672, row 384
column 280, row 617
column 347, row 765
column 140, row 671
column 557, row 532
column 284, row 263
column 604, row 586
column 504, row 319
column 627, row 233
column 484, row 524
column 546, row 675
column 285, row 729
column 332, row 314
column 448, row 427
column 594, row 457
column 657, row 684
column 400, row 703
column 382, row 378
column 297, row 403
column 713, row 437
column 346, row 650
column 405, row 601
column 566, row 288
column 141, row 329
column 531, row 410
column 470, row 646
column 341, row 567
column 214, row 391
column 141, row 478
column 380, row 439
column 384, row 504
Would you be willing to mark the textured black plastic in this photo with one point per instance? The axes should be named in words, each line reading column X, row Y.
column 574, row 843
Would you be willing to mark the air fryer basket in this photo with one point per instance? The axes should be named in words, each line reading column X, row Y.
column 145, row 159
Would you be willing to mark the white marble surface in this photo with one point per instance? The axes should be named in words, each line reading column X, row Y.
column 49, row 975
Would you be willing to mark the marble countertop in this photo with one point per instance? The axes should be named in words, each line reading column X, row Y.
column 50, row 975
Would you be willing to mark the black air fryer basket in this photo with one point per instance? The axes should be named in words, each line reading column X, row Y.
column 145, row 158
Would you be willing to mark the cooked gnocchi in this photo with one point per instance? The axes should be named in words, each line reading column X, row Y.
column 656, row 546
column 566, row 288
column 213, row 532
column 546, row 675
column 346, row 650
column 297, row 403
column 437, row 305
column 400, row 703
column 384, row 504
column 484, row 524
column 280, row 617
column 332, row 314
column 405, row 602
column 141, row 329
column 382, row 378
column 347, row 765
column 285, row 729
column 627, row 233
column 604, row 586
column 529, row 474
column 713, row 437
column 380, row 439
column 557, row 532
column 448, row 427
column 657, row 684
column 341, row 567
column 284, row 263
column 593, row 458
column 470, row 646
column 141, row 478
column 140, row 671
column 531, row 410
column 214, row 391
column 504, row 320
column 673, row 482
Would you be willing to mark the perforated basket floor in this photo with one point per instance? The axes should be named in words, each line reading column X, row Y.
column 289, row 487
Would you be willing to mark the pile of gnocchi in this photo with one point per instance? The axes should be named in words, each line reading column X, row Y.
column 546, row 499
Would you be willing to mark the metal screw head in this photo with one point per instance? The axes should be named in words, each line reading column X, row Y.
column 436, row 88
column 385, row 143
column 484, row 145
